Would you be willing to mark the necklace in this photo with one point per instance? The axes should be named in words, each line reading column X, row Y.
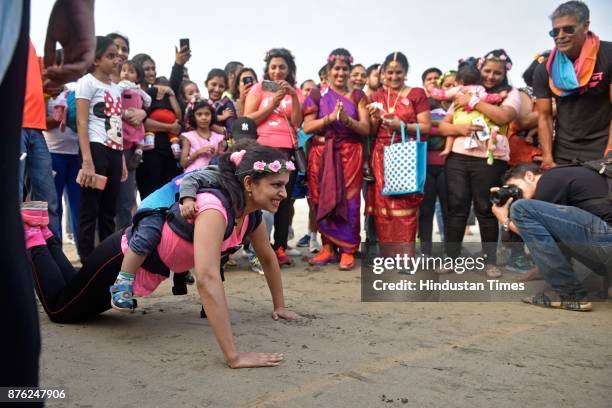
column 390, row 108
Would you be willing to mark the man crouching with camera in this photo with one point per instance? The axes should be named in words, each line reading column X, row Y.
column 560, row 214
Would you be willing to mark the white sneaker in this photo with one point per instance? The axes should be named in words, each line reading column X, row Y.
column 314, row 246
column 293, row 252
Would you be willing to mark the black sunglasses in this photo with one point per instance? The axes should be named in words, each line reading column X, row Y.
column 566, row 29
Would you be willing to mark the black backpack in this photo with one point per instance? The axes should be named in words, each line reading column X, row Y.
column 184, row 229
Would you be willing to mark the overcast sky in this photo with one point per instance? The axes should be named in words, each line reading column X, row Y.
column 430, row 33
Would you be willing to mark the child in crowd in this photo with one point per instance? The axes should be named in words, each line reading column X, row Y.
column 99, row 110
column 468, row 82
column 225, row 111
column 200, row 144
column 165, row 109
column 133, row 97
column 187, row 91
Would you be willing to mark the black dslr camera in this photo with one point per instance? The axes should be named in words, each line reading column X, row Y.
column 506, row 192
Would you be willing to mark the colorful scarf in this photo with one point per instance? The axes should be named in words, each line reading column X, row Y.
column 566, row 77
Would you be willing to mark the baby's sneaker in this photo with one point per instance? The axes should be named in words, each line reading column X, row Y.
column 122, row 293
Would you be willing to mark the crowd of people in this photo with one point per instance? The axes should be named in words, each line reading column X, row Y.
column 248, row 148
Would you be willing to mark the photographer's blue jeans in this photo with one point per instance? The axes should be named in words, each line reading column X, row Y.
column 555, row 233
column 38, row 169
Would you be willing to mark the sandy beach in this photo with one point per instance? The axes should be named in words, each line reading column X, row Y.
column 342, row 353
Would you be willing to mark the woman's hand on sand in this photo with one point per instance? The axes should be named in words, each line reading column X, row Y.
column 284, row 313
column 252, row 360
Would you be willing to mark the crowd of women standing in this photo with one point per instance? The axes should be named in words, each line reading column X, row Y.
column 348, row 119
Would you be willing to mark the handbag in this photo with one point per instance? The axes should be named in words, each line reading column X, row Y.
column 298, row 153
column 405, row 165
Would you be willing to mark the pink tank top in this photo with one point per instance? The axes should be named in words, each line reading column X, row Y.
column 177, row 253
column 274, row 130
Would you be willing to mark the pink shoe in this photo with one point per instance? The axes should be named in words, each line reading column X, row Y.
column 35, row 213
column 46, row 232
column 33, row 236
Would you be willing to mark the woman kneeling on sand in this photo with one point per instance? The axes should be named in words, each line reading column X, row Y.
column 247, row 182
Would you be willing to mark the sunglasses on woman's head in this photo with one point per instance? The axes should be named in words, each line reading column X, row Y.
column 566, row 29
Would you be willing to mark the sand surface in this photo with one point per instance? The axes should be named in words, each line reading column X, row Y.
column 342, row 353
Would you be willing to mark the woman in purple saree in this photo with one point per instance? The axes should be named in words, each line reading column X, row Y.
column 339, row 120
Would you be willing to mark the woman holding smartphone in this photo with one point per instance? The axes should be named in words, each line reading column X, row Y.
column 246, row 79
column 276, row 107
column 99, row 110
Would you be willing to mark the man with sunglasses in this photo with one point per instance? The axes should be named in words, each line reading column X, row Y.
column 578, row 76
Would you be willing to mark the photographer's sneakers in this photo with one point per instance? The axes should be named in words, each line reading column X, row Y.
column 550, row 299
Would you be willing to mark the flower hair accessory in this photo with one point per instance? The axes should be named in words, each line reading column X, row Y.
column 338, row 57
column 237, row 157
column 274, row 167
column 503, row 58
column 196, row 99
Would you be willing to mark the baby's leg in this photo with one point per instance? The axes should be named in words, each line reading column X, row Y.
column 448, row 146
column 143, row 240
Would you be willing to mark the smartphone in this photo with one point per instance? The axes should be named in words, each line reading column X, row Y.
column 184, row 42
column 270, row 86
column 100, row 183
column 247, row 80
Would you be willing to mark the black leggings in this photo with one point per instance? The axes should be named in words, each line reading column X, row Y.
column 435, row 186
column 98, row 207
column 68, row 295
column 470, row 179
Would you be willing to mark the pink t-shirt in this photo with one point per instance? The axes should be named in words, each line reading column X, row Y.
column 273, row 131
column 196, row 142
column 177, row 253
column 502, row 150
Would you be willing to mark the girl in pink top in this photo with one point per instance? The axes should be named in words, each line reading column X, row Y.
column 251, row 180
column 202, row 144
column 276, row 107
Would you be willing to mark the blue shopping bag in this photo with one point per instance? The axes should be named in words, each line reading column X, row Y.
column 405, row 164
